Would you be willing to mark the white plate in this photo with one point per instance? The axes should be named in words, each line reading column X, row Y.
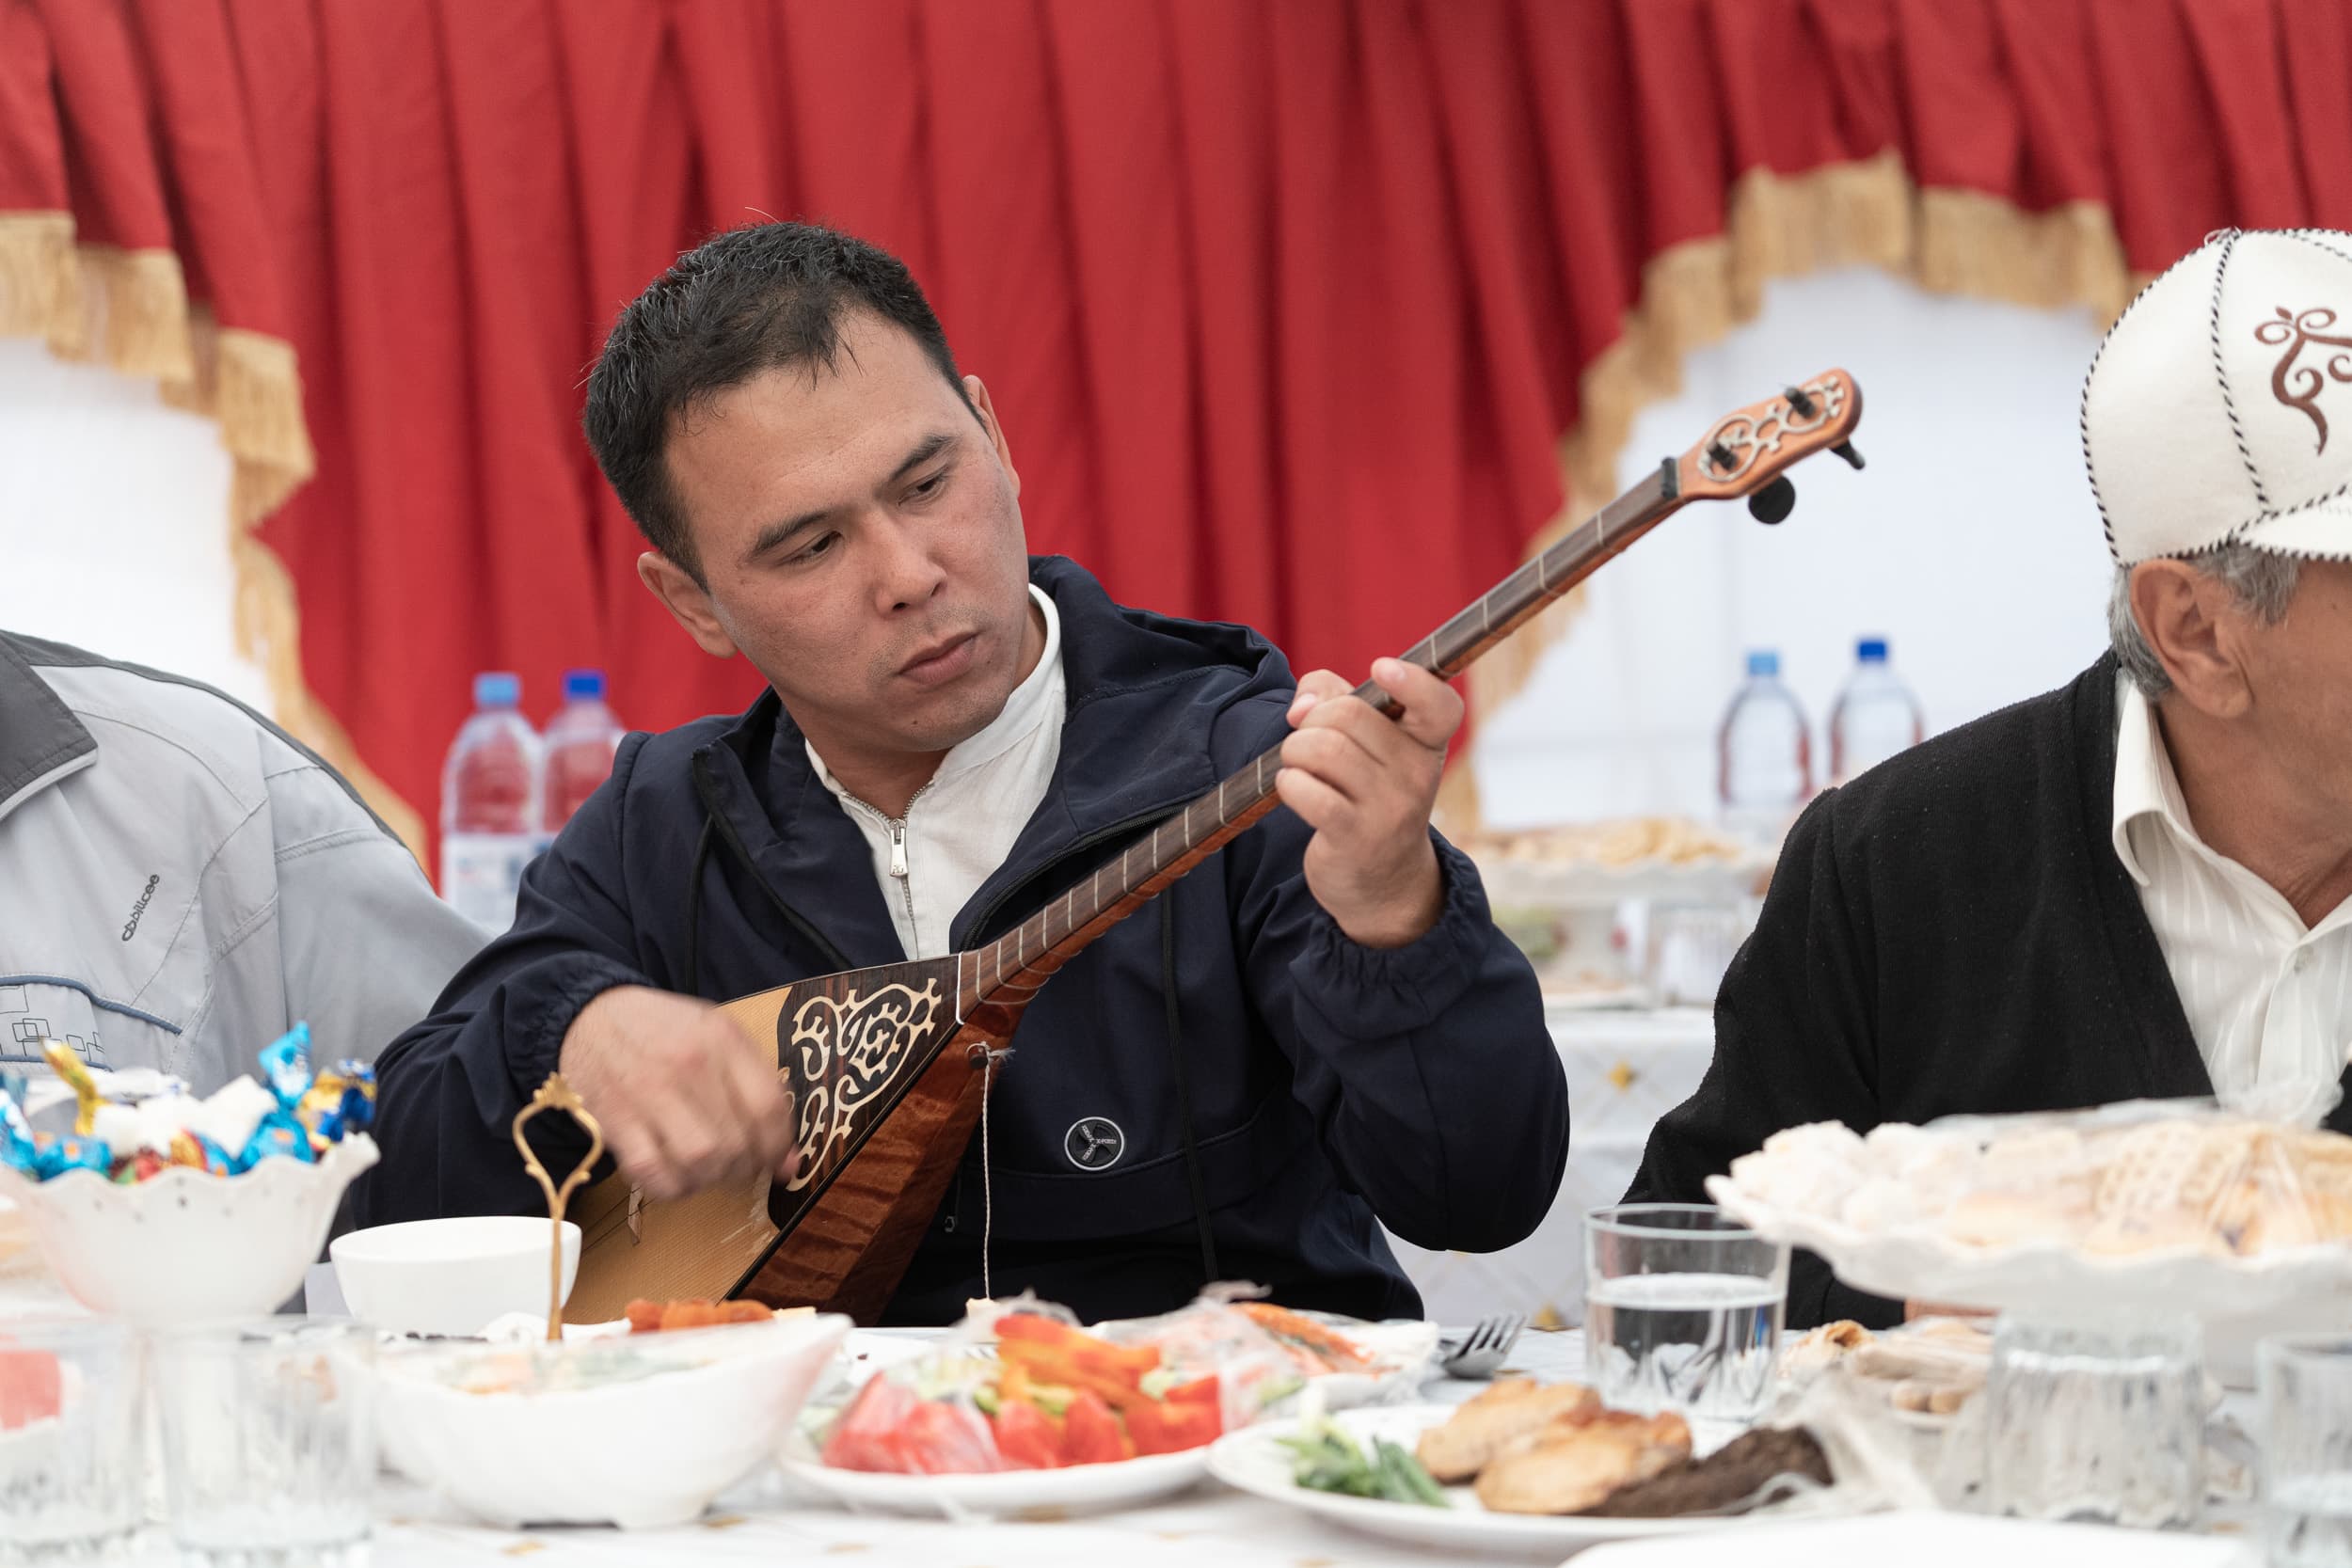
column 1006, row 1494
column 1255, row 1462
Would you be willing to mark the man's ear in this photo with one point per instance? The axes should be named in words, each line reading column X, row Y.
column 688, row 602
column 2197, row 627
column 977, row 392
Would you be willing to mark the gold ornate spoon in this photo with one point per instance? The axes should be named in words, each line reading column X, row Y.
column 555, row 1094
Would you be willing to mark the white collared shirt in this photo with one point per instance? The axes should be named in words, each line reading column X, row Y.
column 2269, row 1000
column 961, row 826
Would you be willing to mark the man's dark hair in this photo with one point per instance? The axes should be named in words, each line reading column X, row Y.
column 750, row 300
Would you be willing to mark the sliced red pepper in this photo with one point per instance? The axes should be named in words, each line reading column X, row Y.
column 1200, row 1390
column 1092, row 1434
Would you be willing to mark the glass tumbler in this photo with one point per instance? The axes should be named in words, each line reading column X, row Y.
column 2306, row 1385
column 2097, row 1418
column 1682, row 1310
column 269, row 1442
column 69, row 1446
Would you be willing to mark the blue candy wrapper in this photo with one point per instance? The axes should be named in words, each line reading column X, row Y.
column 53, row 1157
column 286, row 1067
column 278, row 1136
column 17, row 1147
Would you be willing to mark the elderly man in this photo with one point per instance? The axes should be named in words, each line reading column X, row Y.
column 1320, row 1026
column 185, row 880
column 2140, row 884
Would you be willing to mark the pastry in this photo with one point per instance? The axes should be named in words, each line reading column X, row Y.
column 1576, row 1461
column 1511, row 1410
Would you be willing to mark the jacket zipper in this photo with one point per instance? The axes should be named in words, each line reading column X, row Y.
column 897, row 827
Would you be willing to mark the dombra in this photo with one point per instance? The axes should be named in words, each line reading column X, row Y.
column 889, row 1067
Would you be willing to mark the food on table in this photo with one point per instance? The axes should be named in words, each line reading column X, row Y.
column 1315, row 1348
column 1497, row 1419
column 1053, row 1395
column 1529, row 1448
column 31, row 1387
column 297, row 1117
column 653, row 1317
column 1821, row 1348
column 1326, row 1459
column 1575, row 1462
column 2095, row 1183
column 1742, row 1471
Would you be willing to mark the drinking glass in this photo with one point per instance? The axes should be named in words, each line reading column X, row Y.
column 269, row 1442
column 2306, row 1385
column 2097, row 1418
column 1682, row 1310
column 69, row 1441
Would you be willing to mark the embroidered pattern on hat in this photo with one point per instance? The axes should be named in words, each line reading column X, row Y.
column 2299, row 385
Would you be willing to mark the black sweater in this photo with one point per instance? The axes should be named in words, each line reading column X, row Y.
column 1950, row 932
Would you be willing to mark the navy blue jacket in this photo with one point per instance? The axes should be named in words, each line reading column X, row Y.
column 1326, row 1082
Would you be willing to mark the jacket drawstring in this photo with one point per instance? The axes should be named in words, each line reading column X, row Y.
column 1184, row 1088
column 694, row 912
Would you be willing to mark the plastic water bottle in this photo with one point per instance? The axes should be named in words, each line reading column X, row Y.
column 1766, row 752
column 581, row 738
column 1875, row 715
column 490, row 790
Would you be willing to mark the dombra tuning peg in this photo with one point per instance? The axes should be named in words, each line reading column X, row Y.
column 1773, row 503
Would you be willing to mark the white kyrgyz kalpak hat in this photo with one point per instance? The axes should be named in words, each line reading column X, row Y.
column 2219, row 408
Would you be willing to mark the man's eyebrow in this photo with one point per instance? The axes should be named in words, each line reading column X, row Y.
column 779, row 533
column 929, row 448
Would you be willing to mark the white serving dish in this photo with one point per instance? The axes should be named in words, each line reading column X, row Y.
column 650, row 1451
column 2239, row 1300
column 1254, row 1460
column 450, row 1276
column 184, row 1247
column 1003, row 1494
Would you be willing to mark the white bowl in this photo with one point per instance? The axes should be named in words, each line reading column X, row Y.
column 449, row 1276
column 185, row 1246
column 651, row 1450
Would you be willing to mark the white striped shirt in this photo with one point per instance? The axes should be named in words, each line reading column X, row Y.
column 2269, row 1000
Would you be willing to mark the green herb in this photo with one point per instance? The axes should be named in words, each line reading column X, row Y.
column 1326, row 1459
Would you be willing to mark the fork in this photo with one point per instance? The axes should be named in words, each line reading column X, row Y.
column 1483, row 1349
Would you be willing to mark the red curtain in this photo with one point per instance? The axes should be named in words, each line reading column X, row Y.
column 1285, row 304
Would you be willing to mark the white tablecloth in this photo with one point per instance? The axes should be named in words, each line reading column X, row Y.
column 1625, row 1070
column 767, row 1525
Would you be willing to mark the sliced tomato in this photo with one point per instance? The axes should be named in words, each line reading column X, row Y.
column 1028, row 1437
column 943, row 1438
column 1092, row 1434
column 1165, row 1426
column 31, row 1388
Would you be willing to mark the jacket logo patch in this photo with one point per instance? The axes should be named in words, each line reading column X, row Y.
column 130, row 926
column 1094, row 1143
column 2299, row 385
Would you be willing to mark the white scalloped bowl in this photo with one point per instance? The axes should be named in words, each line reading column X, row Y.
column 2239, row 1300
column 185, row 1246
column 645, row 1451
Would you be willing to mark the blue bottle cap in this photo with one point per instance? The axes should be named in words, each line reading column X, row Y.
column 583, row 686
column 498, row 689
column 1872, row 649
column 1763, row 661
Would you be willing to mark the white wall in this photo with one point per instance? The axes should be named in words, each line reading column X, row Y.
column 114, row 521
column 1971, row 542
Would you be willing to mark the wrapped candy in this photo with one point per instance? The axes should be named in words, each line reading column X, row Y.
column 286, row 1064
column 199, row 1153
column 87, row 1096
column 53, row 1157
column 17, row 1147
column 278, row 1136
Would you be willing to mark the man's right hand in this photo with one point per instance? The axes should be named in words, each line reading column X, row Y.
column 681, row 1092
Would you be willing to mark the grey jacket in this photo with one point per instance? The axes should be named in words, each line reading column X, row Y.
column 181, row 881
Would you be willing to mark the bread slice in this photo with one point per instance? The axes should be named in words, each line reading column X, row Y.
column 1513, row 1409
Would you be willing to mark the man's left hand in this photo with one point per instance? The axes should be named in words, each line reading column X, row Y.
column 1365, row 783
